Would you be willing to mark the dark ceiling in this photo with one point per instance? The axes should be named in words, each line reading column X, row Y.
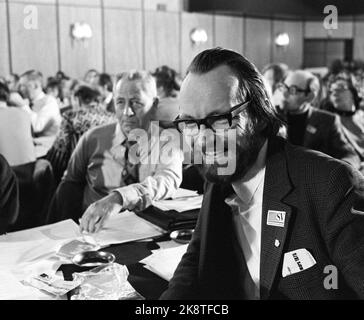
column 306, row 9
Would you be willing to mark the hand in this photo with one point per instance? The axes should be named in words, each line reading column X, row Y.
column 97, row 213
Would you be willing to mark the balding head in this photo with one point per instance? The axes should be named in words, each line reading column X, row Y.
column 135, row 95
column 146, row 80
column 301, row 87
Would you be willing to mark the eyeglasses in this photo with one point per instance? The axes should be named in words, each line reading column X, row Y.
column 338, row 89
column 292, row 90
column 191, row 127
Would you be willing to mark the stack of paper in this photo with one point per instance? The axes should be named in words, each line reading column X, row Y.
column 180, row 204
column 182, row 193
column 125, row 227
column 164, row 262
column 31, row 252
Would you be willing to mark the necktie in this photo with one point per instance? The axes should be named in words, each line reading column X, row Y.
column 130, row 172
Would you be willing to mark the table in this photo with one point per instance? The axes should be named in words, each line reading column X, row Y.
column 148, row 284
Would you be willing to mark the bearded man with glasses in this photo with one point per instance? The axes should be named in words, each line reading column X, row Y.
column 268, row 229
column 310, row 127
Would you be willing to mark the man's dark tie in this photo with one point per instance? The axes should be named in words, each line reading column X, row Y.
column 130, row 172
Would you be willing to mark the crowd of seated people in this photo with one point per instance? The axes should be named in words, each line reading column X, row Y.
column 322, row 113
column 65, row 143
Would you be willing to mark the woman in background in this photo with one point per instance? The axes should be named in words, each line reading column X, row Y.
column 86, row 113
column 344, row 100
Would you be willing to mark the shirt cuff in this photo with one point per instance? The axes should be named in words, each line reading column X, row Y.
column 129, row 195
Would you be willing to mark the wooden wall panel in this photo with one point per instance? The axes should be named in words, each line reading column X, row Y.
column 32, row 2
column 77, row 56
column 80, row 3
column 123, row 40
column 359, row 40
column 34, row 48
column 292, row 55
column 162, row 40
column 168, row 5
column 123, row 4
column 229, row 33
column 258, row 41
column 4, row 49
column 316, row 30
column 190, row 50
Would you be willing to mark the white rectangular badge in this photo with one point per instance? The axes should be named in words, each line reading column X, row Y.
column 276, row 218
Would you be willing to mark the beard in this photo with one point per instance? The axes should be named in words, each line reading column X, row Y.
column 247, row 147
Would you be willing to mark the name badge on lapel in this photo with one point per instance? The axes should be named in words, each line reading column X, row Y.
column 297, row 261
column 276, row 218
column 311, row 129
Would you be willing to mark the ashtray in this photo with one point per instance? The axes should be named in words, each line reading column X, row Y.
column 93, row 258
column 182, row 236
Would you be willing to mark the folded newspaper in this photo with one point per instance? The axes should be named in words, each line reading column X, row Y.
column 164, row 262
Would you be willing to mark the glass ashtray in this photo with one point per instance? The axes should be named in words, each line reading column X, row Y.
column 93, row 258
column 182, row 236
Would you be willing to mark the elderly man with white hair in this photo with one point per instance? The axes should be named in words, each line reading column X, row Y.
column 310, row 127
column 123, row 165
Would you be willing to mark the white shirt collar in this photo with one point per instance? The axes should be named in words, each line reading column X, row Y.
column 119, row 135
column 246, row 187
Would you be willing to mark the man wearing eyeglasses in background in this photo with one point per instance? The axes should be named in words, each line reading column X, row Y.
column 308, row 126
column 268, row 229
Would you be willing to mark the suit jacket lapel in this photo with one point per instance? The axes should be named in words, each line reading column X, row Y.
column 308, row 135
column 277, row 187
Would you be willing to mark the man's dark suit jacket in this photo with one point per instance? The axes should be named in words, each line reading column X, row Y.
column 9, row 197
column 317, row 193
column 324, row 133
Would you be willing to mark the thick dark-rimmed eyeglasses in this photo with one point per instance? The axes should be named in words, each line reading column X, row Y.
column 191, row 127
column 292, row 90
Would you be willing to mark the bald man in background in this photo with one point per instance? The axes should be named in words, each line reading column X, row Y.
column 308, row 126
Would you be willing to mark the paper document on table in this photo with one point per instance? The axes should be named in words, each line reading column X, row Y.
column 125, row 227
column 67, row 229
column 12, row 289
column 30, row 246
column 182, row 193
column 181, row 204
column 164, row 262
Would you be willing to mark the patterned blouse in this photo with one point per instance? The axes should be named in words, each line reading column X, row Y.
column 73, row 126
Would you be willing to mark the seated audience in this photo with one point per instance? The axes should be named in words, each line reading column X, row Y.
column 92, row 77
column 35, row 177
column 310, row 127
column 345, row 101
column 357, row 78
column 273, row 74
column 86, row 114
column 16, row 141
column 53, row 89
column 105, row 86
column 9, row 198
column 13, row 82
column 44, row 111
column 103, row 175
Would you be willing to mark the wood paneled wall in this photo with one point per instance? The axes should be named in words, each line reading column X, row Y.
column 293, row 54
column 4, row 47
column 136, row 34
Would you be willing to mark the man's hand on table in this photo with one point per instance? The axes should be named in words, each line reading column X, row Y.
column 96, row 214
